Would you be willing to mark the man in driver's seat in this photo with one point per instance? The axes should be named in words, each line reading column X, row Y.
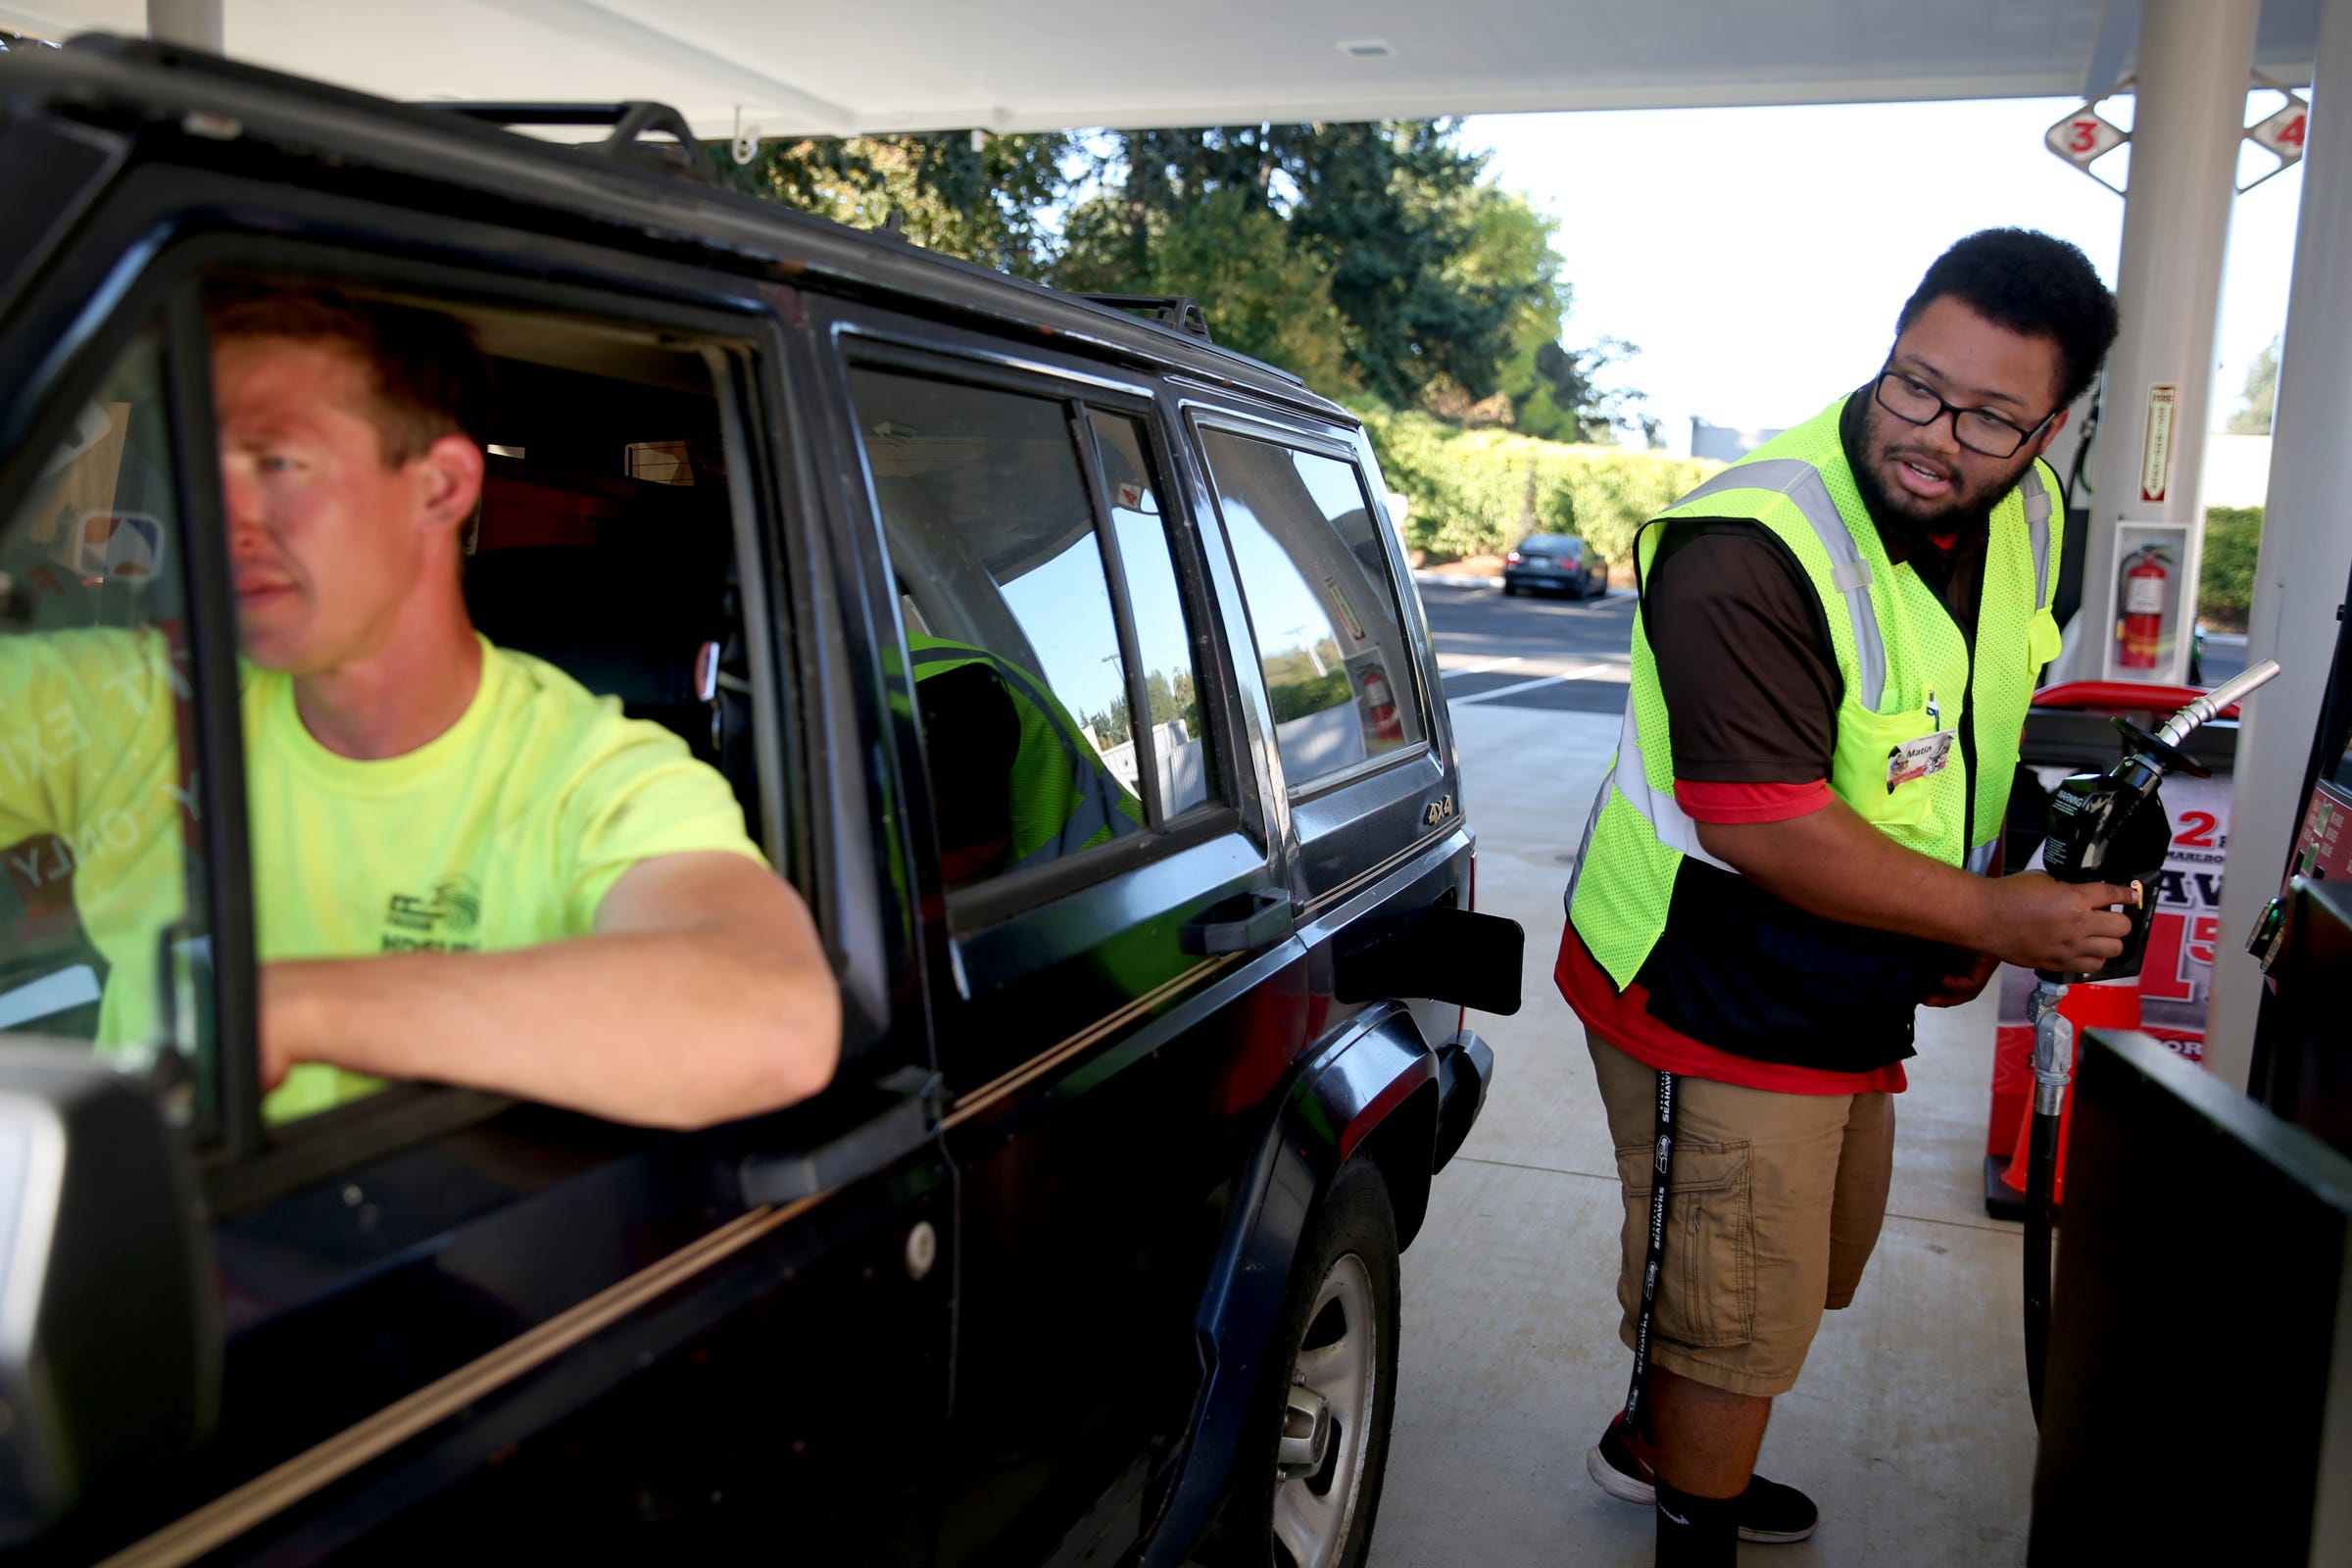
column 465, row 868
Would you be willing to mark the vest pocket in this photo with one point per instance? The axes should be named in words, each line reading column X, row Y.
column 1708, row 1286
column 1866, row 744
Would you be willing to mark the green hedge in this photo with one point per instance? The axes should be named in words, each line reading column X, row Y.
column 2226, row 581
column 1479, row 492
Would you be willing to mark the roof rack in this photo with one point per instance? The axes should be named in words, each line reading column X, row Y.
column 1179, row 310
column 629, row 121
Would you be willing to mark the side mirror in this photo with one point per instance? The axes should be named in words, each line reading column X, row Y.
column 110, row 1337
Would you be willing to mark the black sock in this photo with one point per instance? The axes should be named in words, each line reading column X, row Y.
column 1696, row 1532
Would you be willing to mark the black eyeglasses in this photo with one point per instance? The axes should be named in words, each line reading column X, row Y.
column 1980, row 431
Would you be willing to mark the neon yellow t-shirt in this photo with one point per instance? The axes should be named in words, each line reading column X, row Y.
column 505, row 831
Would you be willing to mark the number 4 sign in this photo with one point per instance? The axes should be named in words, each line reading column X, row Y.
column 2281, row 133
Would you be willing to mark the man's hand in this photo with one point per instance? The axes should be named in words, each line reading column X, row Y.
column 1964, row 985
column 1833, row 863
column 2065, row 927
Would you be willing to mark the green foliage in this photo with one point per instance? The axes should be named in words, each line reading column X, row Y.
column 1176, row 700
column 2261, row 396
column 1395, row 211
column 1295, row 690
column 1477, row 492
column 985, row 205
column 1364, row 258
column 1263, row 296
column 2225, row 580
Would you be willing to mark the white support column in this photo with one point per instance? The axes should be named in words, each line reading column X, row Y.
column 194, row 24
column 2195, row 58
column 2306, row 549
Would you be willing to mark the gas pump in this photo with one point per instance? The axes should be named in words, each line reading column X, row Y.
column 2104, row 827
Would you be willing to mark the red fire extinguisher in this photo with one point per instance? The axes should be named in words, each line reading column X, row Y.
column 1381, row 704
column 2142, row 622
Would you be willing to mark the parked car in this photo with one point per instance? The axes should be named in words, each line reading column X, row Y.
column 1089, row 1252
column 1555, row 561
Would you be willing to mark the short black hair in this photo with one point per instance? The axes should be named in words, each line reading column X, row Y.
column 2034, row 284
column 428, row 379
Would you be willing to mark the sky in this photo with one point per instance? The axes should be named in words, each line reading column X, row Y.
column 1758, row 256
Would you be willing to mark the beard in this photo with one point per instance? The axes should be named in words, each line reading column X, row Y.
column 1885, row 440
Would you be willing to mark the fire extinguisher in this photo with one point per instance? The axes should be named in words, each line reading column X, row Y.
column 2143, row 625
column 1381, row 704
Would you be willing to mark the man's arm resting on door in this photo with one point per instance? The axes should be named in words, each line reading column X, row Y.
column 1830, row 863
column 704, row 996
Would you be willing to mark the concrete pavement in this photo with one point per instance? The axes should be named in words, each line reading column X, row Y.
column 1910, row 1426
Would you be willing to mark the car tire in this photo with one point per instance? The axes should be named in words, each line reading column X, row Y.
column 1510, row 589
column 1335, row 1343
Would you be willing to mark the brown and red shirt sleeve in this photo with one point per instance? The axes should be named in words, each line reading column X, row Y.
column 1745, row 662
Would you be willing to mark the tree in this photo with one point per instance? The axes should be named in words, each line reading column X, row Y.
column 1395, row 209
column 1263, row 296
column 2261, row 397
column 1364, row 258
column 986, row 204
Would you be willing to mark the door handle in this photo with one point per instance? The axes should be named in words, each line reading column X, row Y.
column 913, row 1098
column 1242, row 923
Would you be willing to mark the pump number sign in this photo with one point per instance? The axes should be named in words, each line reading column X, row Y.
column 2283, row 132
column 2084, row 137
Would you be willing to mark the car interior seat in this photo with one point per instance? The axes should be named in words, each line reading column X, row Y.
column 630, row 588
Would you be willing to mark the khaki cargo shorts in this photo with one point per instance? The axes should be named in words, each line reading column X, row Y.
column 1772, row 1209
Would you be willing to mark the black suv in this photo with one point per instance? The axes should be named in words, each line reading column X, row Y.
column 1089, row 1252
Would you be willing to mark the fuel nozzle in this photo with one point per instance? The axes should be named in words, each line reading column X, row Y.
column 2112, row 826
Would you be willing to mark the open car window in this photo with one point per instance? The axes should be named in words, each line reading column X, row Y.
column 613, row 719
column 101, row 941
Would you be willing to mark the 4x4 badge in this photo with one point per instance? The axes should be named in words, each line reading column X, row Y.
column 1439, row 810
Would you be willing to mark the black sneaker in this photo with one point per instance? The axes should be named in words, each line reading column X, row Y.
column 1769, row 1513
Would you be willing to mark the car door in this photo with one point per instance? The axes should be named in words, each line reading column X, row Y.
column 1115, row 991
column 448, row 1317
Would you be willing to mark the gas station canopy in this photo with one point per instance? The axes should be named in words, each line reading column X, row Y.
column 797, row 67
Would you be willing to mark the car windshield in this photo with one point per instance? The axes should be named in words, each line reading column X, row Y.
column 1549, row 547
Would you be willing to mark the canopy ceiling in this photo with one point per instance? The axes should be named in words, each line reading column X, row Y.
column 793, row 67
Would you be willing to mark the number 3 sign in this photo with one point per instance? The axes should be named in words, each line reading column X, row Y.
column 2086, row 137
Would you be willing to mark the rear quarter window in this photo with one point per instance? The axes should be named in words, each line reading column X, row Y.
column 1322, row 600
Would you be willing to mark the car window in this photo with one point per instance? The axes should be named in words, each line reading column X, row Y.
column 1322, row 604
column 1021, row 681
column 611, row 722
column 1163, row 634
column 99, row 938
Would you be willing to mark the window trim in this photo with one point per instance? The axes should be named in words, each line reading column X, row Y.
column 1203, row 418
column 860, row 344
column 137, row 297
column 1080, row 418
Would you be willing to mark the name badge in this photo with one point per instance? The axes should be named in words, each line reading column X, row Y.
column 1919, row 759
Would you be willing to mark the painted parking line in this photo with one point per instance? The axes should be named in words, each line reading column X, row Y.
column 1481, row 670
column 1528, row 685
